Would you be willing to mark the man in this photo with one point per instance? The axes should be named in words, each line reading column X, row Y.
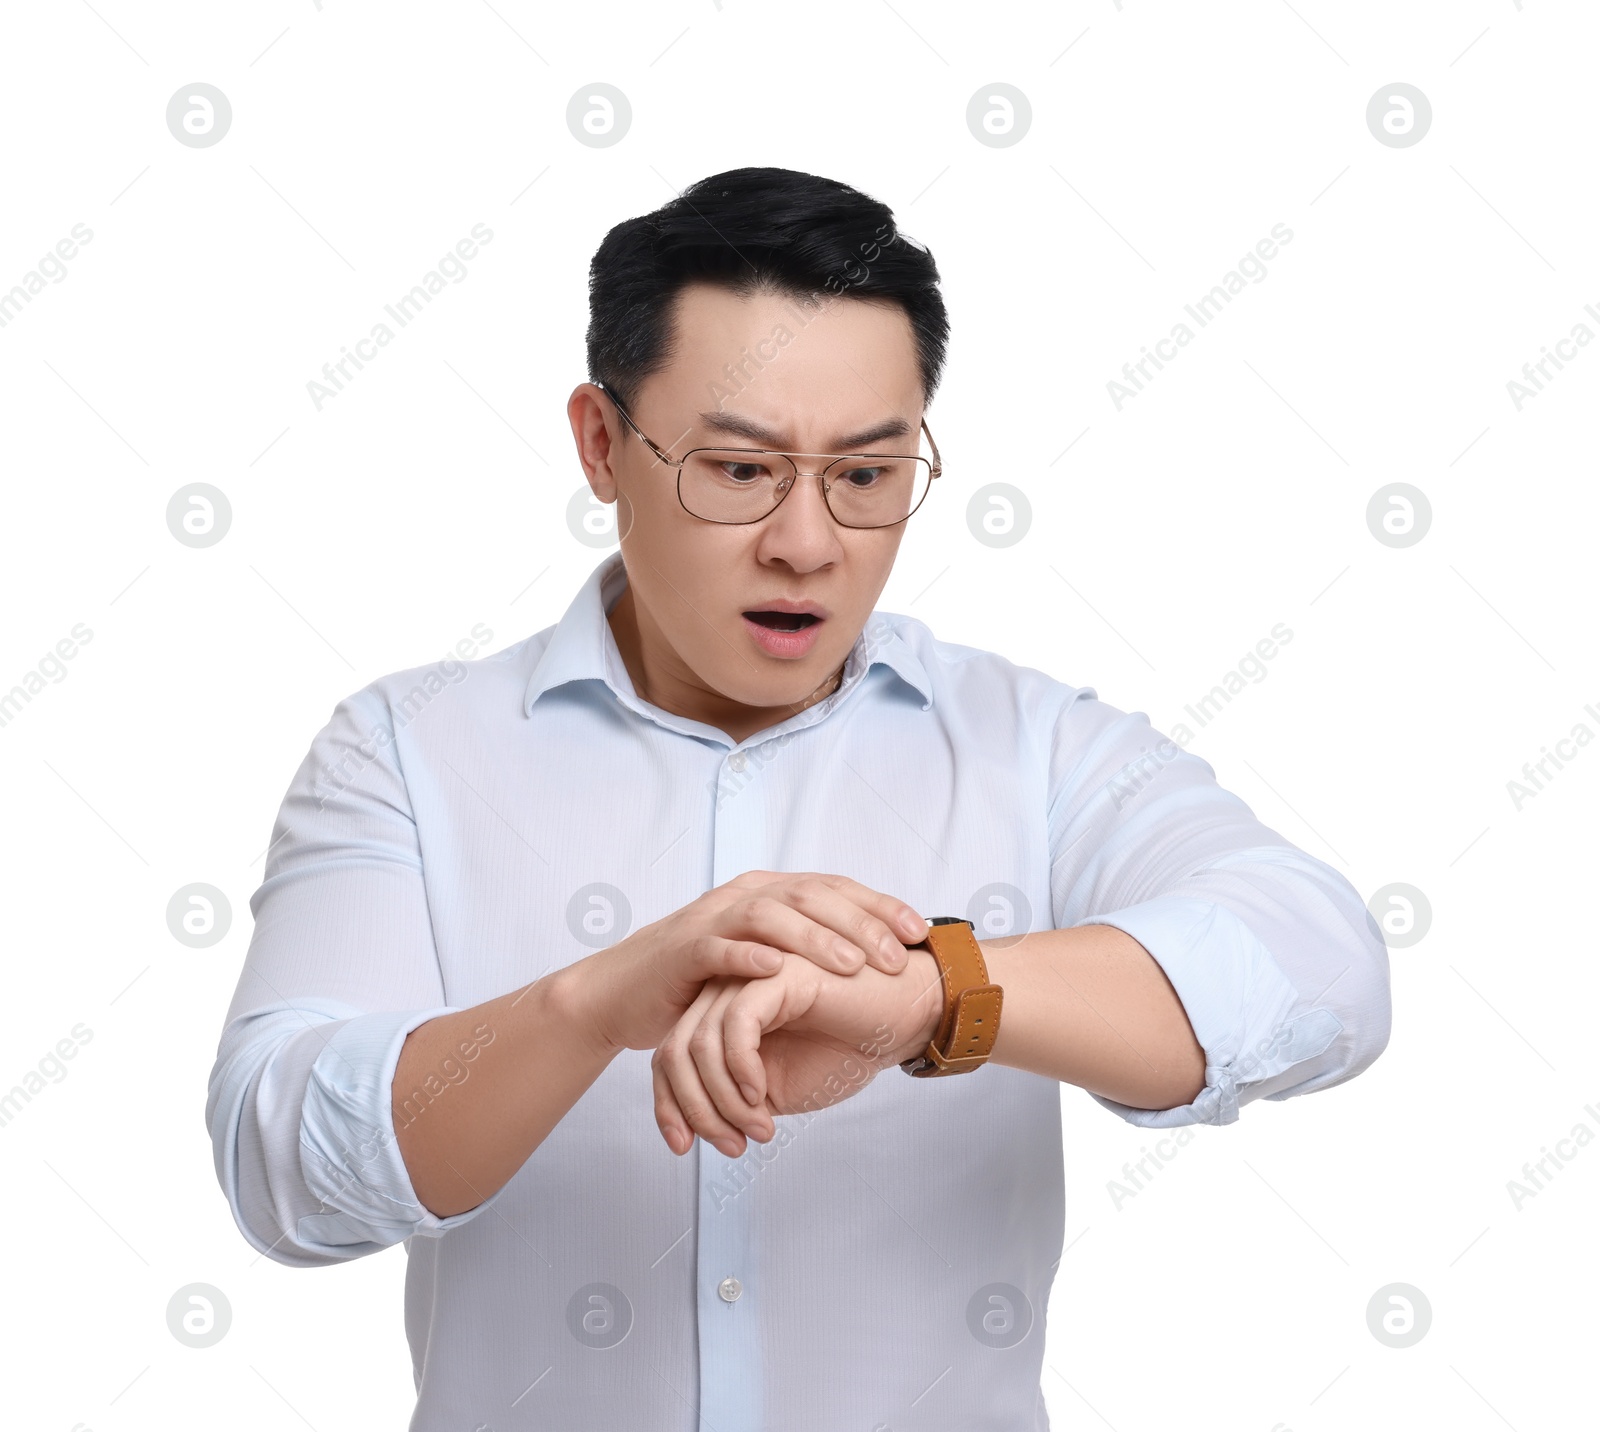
column 531, row 922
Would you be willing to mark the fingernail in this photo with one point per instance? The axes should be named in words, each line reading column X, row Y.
column 749, row 1094
column 892, row 949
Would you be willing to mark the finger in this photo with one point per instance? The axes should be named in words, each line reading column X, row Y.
column 769, row 919
column 879, row 925
column 714, row 956
column 669, row 1115
column 680, row 1120
column 900, row 919
column 744, row 1111
column 697, row 1109
column 749, row 1013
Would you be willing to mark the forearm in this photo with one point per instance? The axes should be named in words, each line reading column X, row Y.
column 1090, row 1006
column 463, row 1141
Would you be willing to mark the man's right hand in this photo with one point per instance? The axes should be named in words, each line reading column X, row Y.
column 630, row 995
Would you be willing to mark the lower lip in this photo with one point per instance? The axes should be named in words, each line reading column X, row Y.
column 783, row 643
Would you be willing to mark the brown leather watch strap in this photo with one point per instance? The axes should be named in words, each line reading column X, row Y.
column 971, row 1021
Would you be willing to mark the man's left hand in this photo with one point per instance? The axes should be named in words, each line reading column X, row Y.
column 800, row 1039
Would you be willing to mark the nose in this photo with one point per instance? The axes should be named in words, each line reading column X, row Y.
column 787, row 488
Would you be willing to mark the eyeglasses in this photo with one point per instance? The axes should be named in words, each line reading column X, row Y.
column 741, row 485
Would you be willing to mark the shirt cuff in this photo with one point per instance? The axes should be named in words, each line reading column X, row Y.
column 1241, row 1005
column 349, row 1155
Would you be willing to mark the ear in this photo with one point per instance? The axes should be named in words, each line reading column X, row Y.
column 596, row 431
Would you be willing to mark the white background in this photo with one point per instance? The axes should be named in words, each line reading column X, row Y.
column 1228, row 496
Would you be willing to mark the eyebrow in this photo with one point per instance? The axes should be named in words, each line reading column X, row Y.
column 735, row 425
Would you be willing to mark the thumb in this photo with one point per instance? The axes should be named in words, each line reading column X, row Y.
column 757, row 1009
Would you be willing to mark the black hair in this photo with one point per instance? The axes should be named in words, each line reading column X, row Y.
column 749, row 229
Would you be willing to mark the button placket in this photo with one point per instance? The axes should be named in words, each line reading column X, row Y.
column 728, row 1308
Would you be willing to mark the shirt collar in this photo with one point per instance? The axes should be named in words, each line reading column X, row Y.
column 582, row 648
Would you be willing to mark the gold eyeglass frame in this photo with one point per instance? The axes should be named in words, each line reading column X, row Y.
column 935, row 467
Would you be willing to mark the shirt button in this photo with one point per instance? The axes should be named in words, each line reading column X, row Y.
column 729, row 1289
column 736, row 765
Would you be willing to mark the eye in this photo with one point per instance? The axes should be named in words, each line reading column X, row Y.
column 862, row 477
column 742, row 472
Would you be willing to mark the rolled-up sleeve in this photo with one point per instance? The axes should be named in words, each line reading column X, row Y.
column 341, row 967
column 1281, row 969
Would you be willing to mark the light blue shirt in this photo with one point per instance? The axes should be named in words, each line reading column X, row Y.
column 460, row 829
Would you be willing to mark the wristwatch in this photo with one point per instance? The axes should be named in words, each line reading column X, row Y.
column 966, row 1033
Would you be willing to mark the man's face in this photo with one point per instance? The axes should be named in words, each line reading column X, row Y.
column 845, row 381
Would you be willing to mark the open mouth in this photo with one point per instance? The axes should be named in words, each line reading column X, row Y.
column 784, row 621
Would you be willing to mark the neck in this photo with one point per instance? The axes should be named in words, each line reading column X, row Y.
column 661, row 677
